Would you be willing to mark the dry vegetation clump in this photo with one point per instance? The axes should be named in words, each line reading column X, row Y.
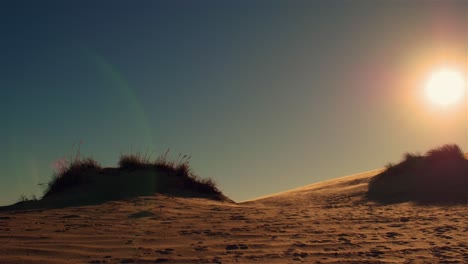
column 445, row 153
column 73, row 175
column 83, row 181
column 134, row 162
column 439, row 176
column 179, row 166
column 23, row 198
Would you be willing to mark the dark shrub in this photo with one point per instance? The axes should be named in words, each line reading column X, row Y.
column 439, row 176
column 74, row 175
column 444, row 153
column 409, row 157
column 134, row 162
column 23, row 198
column 83, row 181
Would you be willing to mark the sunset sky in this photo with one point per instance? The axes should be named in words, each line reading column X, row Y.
column 265, row 96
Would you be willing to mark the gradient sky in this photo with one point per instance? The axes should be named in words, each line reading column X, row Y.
column 264, row 95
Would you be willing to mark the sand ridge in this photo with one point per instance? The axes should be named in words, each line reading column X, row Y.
column 328, row 222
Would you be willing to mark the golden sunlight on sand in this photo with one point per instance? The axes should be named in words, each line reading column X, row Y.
column 328, row 222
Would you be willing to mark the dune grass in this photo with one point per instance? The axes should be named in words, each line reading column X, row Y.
column 74, row 174
column 24, row 198
column 83, row 181
column 441, row 175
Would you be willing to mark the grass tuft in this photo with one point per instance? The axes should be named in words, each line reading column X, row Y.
column 439, row 176
column 444, row 153
column 134, row 162
column 84, row 181
column 409, row 156
column 23, row 198
column 72, row 175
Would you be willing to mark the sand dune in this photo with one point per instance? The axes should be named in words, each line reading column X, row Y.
column 340, row 185
column 328, row 222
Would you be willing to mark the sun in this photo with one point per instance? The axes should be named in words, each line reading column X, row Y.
column 445, row 87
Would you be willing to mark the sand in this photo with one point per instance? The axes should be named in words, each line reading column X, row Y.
column 329, row 222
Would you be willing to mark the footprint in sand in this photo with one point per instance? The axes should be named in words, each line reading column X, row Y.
column 71, row 216
column 392, row 234
column 165, row 251
column 141, row 214
column 237, row 217
column 236, row 247
column 201, row 248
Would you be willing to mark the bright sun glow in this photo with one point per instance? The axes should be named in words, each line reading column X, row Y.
column 445, row 87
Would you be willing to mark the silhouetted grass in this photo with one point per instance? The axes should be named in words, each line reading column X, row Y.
column 83, row 181
column 439, row 176
column 73, row 175
column 23, row 198
column 408, row 156
column 445, row 153
column 134, row 162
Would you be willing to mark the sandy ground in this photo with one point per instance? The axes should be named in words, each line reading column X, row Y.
column 328, row 222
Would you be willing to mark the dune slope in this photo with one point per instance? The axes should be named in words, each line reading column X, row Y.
column 328, row 222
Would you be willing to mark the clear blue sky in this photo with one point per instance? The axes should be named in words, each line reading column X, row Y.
column 265, row 95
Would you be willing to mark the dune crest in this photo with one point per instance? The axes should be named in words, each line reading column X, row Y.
column 82, row 181
column 327, row 222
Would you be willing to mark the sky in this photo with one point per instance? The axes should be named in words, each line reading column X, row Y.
column 265, row 96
